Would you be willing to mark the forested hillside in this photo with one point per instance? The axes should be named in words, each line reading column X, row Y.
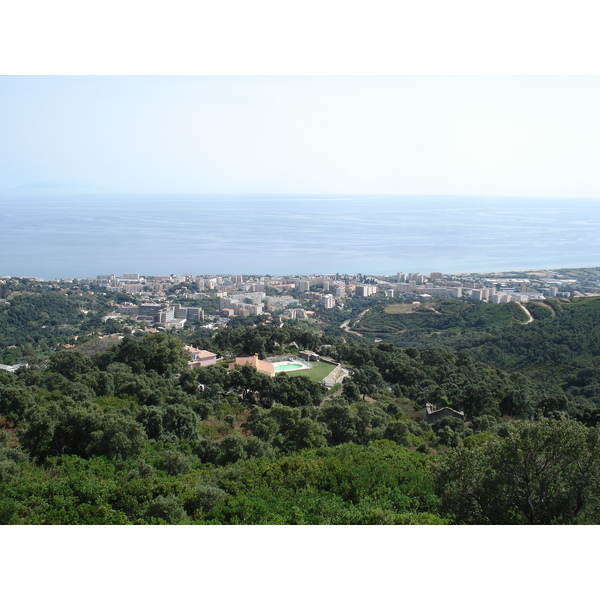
column 121, row 431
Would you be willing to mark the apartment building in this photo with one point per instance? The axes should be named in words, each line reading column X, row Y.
column 365, row 290
column 328, row 301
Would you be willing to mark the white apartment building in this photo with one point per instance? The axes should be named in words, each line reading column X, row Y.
column 365, row 290
column 411, row 286
column 328, row 301
column 481, row 294
column 500, row 298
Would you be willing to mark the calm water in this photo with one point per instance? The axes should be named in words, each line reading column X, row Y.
column 85, row 236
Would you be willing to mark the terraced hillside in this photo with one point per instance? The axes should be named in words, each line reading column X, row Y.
column 405, row 320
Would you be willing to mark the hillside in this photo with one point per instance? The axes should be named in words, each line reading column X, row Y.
column 116, row 429
column 399, row 322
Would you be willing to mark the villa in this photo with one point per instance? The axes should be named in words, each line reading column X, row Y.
column 259, row 365
column 200, row 358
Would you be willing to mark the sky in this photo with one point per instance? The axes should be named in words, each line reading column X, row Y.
column 406, row 134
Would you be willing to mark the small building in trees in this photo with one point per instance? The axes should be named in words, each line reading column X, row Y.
column 200, row 358
column 308, row 355
column 433, row 415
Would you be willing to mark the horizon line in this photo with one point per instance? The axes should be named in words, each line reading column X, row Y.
column 84, row 190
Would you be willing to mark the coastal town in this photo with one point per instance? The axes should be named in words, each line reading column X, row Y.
column 168, row 301
column 152, row 303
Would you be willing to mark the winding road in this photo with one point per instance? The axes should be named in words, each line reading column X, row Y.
column 345, row 326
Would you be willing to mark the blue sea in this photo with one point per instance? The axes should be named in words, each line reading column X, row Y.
column 53, row 236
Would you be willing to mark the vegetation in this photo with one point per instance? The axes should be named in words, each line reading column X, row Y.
column 120, row 431
column 431, row 318
column 318, row 372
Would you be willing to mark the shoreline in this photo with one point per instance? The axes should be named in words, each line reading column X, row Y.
column 529, row 272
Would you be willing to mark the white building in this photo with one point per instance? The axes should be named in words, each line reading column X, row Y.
column 365, row 290
column 328, row 301
column 481, row 294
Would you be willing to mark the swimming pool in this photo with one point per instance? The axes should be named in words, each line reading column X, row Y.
column 289, row 366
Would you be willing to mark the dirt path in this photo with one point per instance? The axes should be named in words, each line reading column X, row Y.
column 528, row 314
column 345, row 326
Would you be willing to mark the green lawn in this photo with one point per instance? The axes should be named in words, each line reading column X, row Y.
column 401, row 309
column 319, row 371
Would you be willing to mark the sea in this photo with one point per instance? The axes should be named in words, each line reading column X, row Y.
column 62, row 236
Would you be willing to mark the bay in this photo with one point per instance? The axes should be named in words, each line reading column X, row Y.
column 87, row 235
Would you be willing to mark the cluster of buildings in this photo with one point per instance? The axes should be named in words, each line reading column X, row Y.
column 168, row 315
column 164, row 300
column 252, row 304
column 288, row 296
column 134, row 283
column 325, row 300
column 495, row 290
column 297, row 313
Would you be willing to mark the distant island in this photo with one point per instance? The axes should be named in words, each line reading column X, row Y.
column 40, row 187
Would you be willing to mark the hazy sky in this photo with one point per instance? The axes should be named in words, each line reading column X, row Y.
column 490, row 135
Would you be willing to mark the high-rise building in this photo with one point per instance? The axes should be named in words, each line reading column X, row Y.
column 195, row 313
column 481, row 294
column 328, row 301
column 365, row 290
column 255, row 309
column 149, row 312
column 180, row 312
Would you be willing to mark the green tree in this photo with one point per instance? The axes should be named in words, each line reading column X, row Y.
column 175, row 463
column 350, row 391
column 15, row 401
column 307, row 433
column 543, row 472
column 181, row 421
column 340, row 423
column 368, row 380
column 81, row 428
column 71, row 363
column 233, row 449
column 165, row 509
